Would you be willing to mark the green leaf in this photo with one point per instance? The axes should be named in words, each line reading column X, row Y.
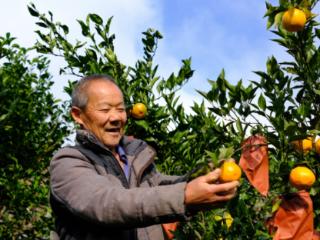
column 65, row 28
column 316, row 91
column 96, row 18
column 302, row 109
column 143, row 123
column 107, row 26
column 213, row 156
column 262, row 102
column 276, row 205
column 290, row 127
column 222, row 98
column 270, row 22
column 225, row 153
column 33, row 11
column 278, row 19
column 84, row 28
column 41, row 24
column 239, row 126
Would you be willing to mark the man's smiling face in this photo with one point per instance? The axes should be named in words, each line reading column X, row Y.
column 104, row 114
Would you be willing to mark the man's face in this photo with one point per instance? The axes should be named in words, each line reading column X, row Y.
column 105, row 114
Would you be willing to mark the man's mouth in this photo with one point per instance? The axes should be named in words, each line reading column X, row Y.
column 114, row 130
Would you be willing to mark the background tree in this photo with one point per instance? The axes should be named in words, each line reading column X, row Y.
column 30, row 129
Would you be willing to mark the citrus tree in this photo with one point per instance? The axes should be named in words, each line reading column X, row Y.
column 30, row 131
column 282, row 105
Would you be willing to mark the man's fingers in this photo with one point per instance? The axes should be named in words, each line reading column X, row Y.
column 230, row 160
column 213, row 176
column 225, row 191
column 226, row 187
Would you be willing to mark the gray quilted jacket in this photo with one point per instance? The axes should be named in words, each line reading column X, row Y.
column 92, row 199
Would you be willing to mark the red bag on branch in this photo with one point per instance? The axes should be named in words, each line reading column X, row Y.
column 168, row 228
column 294, row 218
column 254, row 162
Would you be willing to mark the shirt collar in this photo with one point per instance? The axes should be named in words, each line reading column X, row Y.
column 122, row 154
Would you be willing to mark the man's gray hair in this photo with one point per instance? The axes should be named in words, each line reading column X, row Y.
column 79, row 97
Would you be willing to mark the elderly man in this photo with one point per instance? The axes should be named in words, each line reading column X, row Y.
column 107, row 186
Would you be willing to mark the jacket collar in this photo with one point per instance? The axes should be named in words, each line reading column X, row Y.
column 89, row 140
column 139, row 154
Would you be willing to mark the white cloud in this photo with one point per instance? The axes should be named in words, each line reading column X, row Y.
column 130, row 19
column 188, row 99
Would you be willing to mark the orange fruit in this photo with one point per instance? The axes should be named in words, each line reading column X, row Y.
column 317, row 146
column 138, row 111
column 293, row 20
column 303, row 145
column 230, row 171
column 302, row 177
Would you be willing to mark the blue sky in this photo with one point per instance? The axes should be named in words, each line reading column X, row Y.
column 217, row 34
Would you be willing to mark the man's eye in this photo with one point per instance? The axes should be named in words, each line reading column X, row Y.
column 105, row 110
column 121, row 109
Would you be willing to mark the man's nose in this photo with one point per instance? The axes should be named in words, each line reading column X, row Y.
column 115, row 116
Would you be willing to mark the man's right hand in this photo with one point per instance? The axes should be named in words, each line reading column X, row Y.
column 206, row 191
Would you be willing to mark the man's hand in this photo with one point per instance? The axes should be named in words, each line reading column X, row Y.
column 205, row 191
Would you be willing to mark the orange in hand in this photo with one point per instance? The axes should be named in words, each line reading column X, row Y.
column 302, row 177
column 230, row 171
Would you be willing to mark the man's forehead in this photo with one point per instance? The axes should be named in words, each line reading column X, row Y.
column 103, row 83
column 110, row 104
column 104, row 88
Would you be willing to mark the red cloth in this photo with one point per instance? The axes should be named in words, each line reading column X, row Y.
column 254, row 162
column 168, row 228
column 294, row 218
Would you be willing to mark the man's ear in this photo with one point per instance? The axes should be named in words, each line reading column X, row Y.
column 76, row 114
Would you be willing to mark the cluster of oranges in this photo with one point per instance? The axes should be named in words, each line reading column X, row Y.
column 300, row 177
column 293, row 20
column 303, row 177
column 306, row 145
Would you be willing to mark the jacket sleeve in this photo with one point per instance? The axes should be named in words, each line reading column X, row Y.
column 159, row 179
column 102, row 199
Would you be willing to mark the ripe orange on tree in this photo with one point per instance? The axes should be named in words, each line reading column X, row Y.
column 293, row 20
column 230, row 171
column 138, row 111
column 317, row 146
column 302, row 177
column 303, row 145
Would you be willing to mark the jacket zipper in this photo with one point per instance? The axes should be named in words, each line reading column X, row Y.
column 123, row 179
column 148, row 163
